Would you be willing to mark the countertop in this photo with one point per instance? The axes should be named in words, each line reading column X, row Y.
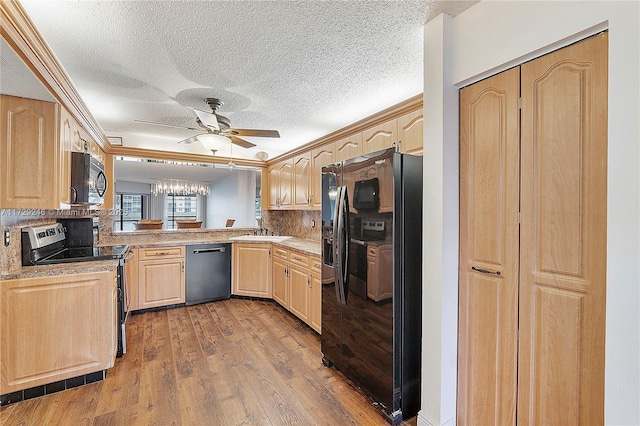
column 301, row 245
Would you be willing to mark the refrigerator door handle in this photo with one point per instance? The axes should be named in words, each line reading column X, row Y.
column 347, row 243
column 339, row 241
column 336, row 245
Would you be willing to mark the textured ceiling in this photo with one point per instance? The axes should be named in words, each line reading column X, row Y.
column 304, row 68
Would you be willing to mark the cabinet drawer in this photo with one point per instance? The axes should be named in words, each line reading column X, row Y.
column 161, row 253
column 280, row 252
column 315, row 265
column 299, row 259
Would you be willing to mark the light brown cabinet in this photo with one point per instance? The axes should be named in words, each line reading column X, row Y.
column 29, row 154
column 55, row 328
column 410, row 132
column 131, row 279
column 382, row 136
column 315, row 295
column 300, row 284
column 161, row 276
column 532, row 271
column 302, row 181
column 348, row 147
column 280, row 185
column 319, row 158
column 280, row 278
column 252, row 270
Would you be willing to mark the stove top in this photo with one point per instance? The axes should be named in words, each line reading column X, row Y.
column 84, row 254
column 46, row 244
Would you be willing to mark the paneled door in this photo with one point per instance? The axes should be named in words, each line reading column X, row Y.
column 488, row 302
column 563, row 236
column 533, row 241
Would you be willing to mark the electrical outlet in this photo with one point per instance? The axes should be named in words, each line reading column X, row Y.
column 7, row 239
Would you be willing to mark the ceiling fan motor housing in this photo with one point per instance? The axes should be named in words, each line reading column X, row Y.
column 214, row 104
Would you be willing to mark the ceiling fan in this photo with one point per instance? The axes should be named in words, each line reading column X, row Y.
column 219, row 126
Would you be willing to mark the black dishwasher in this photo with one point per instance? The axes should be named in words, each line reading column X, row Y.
column 208, row 275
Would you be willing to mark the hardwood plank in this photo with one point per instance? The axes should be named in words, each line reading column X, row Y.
column 231, row 362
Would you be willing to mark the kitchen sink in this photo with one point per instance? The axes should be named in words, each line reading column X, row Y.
column 271, row 238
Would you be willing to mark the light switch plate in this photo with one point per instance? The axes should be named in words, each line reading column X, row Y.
column 7, row 239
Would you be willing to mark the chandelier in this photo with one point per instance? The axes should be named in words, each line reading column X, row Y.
column 180, row 187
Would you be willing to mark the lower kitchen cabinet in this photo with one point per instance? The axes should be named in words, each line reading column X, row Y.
column 131, row 279
column 252, row 270
column 280, row 276
column 161, row 276
column 300, row 284
column 315, row 295
column 56, row 327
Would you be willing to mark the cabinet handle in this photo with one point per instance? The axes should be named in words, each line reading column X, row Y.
column 182, row 266
column 484, row 271
column 162, row 253
column 309, row 198
column 308, row 281
column 269, row 252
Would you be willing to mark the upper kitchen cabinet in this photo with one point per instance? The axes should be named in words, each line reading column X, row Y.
column 348, row 147
column 301, row 181
column 319, row 157
column 29, row 149
column 280, row 180
column 382, row 136
column 410, row 132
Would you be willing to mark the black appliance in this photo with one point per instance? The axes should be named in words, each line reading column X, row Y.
column 50, row 244
column 376, row 344
column 208, row 275
column 88, row 181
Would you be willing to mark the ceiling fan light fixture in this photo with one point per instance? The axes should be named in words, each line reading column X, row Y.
column 212, row 141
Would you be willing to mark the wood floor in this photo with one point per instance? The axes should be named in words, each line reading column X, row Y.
column 231, row 362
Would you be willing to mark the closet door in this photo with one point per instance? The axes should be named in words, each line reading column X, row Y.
column 488, row 292
column 563, row 234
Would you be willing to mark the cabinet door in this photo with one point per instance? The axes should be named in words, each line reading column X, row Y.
column 280, row 282
column 301, row 177
column 67, row 128
column 273, row 201
column 54, row 328
column 348, row 147
column 252, row 270
column 285, row 179
column 29, row 152
column 315, row 295
column 379, row 137
column 131, row 276
column 410, row 132
column 319, row 158
column 385, row 180
column 300, row 282
column 489, row 191
column 160, row 282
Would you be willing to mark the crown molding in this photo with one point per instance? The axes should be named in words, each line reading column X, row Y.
column 155, row 154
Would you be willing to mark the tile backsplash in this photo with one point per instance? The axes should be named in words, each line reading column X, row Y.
column 297, row 223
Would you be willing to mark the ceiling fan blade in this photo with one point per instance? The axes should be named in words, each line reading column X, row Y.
column 256, row 133
column 190, row 140
column 208, row 119
column 241, row 142
column 167, row 125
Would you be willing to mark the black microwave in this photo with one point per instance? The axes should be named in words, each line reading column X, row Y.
column 366, row 195
column 88, row 181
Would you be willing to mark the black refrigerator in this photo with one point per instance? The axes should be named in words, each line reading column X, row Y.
column 372, row 277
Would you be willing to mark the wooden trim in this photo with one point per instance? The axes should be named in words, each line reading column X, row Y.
column 21, row 34
column 395, row 111
column 155, row 154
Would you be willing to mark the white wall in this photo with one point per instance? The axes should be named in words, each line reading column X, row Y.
column 233, row 198
column 488, row 38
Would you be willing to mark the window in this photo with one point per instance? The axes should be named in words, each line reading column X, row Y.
column 180, row 207
column 130, row 209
